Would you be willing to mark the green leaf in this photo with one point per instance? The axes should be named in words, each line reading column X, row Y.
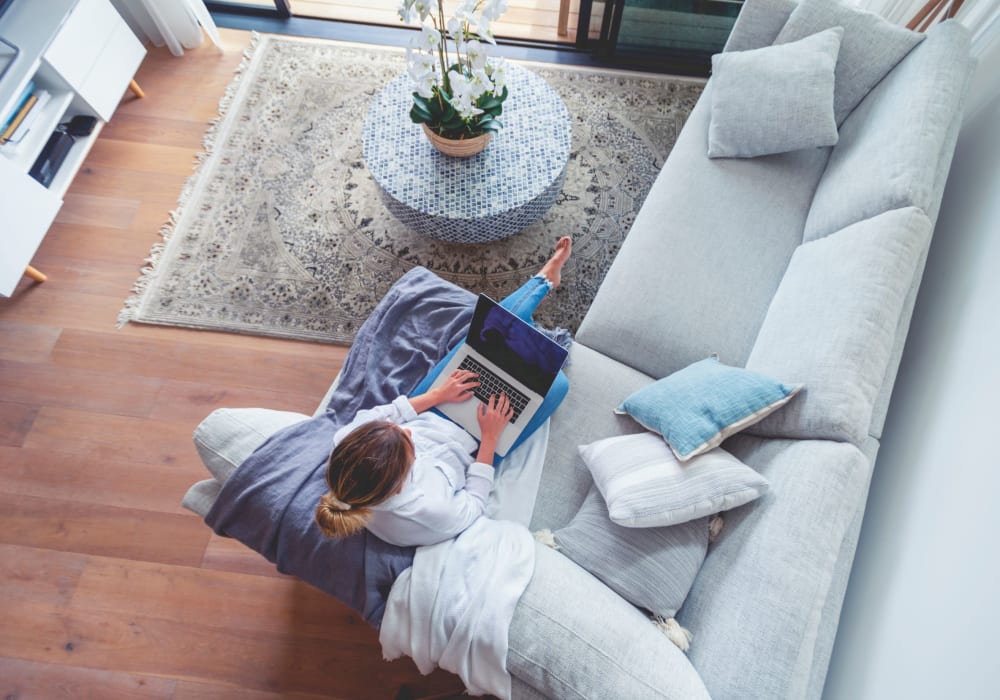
column 418, row 115
column 422, row 101
column 454, row 123
column 490, row 125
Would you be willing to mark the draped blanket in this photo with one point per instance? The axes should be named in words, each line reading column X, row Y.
column 269, row 501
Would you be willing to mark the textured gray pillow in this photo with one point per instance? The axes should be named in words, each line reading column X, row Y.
column 870, row 48
column 832, row 324
column 775, row 99
column 653, row 567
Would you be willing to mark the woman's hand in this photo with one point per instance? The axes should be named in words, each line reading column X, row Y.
column 494, row 417
column 456, row 387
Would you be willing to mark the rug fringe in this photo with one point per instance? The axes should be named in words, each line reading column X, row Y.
column 150, row 266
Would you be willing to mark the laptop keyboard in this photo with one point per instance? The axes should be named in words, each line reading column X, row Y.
column 492, row 385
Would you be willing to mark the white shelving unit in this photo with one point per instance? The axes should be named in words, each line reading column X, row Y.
column 85, row 55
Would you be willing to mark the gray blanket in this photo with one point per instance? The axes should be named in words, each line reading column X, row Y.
column 268, row 503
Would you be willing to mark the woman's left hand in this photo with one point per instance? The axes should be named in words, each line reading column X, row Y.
column 457, row 387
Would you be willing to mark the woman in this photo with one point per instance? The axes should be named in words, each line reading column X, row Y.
column 407, row 473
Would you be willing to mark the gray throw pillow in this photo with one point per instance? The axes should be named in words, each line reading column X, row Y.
column 870, row 48
column 653, row 567
column 775, row 99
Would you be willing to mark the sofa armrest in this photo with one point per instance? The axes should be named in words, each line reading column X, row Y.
column 573, row 637
column 758, row 24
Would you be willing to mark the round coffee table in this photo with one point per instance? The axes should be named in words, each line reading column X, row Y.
column 484, row 198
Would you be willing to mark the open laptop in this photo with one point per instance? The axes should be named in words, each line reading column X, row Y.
column 510, row 356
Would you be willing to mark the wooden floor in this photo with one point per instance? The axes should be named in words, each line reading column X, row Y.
column 537, row 20
column 108, row 588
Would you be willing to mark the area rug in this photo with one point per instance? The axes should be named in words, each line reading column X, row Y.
column 281, row 230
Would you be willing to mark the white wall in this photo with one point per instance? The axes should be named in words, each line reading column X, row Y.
column 922, row 614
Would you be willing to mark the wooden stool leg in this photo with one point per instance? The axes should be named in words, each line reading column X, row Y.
column 34, row 274
column 134, row 87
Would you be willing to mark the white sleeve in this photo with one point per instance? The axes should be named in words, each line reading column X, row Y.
column 467, row 504
column 399, row 411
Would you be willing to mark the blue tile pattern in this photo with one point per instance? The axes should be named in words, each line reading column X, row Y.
column 484, row 198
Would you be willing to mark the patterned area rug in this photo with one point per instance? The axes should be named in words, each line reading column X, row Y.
column 281, row 231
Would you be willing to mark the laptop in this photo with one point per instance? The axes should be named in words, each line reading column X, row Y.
column 510, row 356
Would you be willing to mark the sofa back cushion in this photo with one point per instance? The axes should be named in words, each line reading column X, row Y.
column 596, row 385
column 706, row 252
column 832, row 324
column 895, row 148
column 871, row 46
column 759, row 23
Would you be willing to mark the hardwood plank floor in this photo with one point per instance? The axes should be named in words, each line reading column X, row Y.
column 108, row 588
column 536, row 20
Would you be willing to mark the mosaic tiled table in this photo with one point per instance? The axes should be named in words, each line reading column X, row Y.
column 484, row 198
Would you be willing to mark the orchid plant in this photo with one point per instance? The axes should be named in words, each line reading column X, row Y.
column 459, row 89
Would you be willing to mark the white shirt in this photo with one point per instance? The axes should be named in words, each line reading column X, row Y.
column 446, row 490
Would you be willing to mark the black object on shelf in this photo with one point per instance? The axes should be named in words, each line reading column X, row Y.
column 51, row 157
column 81, row 125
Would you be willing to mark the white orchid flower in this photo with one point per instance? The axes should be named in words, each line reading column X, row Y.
column 464, row 93
column 421, row 68
column 406, row 12
column 456, row 28
column 493, row 9
column 467, row 8
column 476, row 52
column 428, row 40
column 481, row 81
column 497, row 70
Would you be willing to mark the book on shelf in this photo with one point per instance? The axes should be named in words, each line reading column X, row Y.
column 18, row 104
column 18, row 118
column 28, row 122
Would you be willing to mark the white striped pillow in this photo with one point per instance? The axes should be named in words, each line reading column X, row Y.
column 645, row 485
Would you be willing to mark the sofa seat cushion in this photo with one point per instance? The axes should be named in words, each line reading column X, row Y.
column 756, row 607
column 870, row 48
column 561, row 651
column 596, row 385
column 775, row 99
column 895, row 149
column 706, row 252
column 832, row 325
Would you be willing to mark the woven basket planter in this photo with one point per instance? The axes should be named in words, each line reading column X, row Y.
column 458, row 148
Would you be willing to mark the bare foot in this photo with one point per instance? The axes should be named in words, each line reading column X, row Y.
column 552, row 269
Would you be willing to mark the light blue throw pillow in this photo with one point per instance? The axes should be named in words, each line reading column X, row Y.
column 698, row 407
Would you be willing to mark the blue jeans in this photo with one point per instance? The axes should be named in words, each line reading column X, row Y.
column 522, row 303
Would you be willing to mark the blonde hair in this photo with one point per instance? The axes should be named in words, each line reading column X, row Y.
column 365, row 469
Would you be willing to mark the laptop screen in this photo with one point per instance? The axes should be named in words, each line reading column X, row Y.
column 515, row 346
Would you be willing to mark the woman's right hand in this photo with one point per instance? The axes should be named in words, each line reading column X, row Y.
column 494, row 417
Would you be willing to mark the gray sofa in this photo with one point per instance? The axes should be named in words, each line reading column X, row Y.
column 803, row 266
column 708, row 267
